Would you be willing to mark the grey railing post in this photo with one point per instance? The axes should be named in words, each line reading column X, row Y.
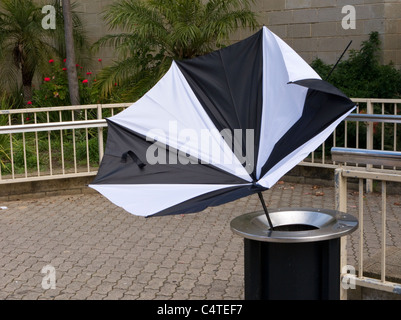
column 369, row 143
column 341, row 205
column 100, row 133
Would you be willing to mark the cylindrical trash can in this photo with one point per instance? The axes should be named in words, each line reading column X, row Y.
column 299, row 259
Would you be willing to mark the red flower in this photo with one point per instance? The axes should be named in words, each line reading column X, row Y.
column 100, row 60
column 65, row 60
column 88, row 73
column 77, row 65
column 85, row 81
column 51, row 61
column 64, row 69
column 27, row 119
column 47, row 79
column 29, row 102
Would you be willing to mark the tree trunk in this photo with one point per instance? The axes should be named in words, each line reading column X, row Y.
column 27, row 93
column 70, row 51
column 27, row 76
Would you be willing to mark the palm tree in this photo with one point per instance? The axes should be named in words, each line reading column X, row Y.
column 22, row 43
column 25, row 46
column 155, row 32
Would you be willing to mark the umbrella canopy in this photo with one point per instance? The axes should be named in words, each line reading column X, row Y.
column 218, row 127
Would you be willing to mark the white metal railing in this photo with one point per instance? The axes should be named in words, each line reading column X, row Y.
column 390, row 159
column 50, row 143
column 368, row 127
column 38, row 143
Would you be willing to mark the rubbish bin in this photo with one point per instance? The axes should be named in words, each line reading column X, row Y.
column 299, row 259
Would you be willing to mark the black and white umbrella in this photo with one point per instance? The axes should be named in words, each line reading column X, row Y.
column 218, row 127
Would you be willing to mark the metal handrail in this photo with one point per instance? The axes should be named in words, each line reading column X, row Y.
column 50, row 126
column 365, row 156
column 388, row 118
column 66, row 108
column 24, row 124
column 368, row 157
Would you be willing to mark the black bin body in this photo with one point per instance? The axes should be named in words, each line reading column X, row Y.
column 303, row 264
column 292, row 271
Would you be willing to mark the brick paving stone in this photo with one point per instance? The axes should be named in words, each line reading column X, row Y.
column 187, row 284
column 155, row 283
column 181, row 295
column 96, row 296
column 200, row 290
column 115, row 294
column 101, row 252
column 167, row 289
column 135, row 289
column 83, row 293
column 149, row 294
column 73, row 287
column 32, row 295
column 162, row 273
column 104, row 288
column 94, row 281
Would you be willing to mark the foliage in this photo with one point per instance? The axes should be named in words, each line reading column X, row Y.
column 54, row 91
column 5, row 103
column 26, row 147
column 25, row 45
column 81, row 42
column 155, row 32
column 59, row 153
column 362, row 75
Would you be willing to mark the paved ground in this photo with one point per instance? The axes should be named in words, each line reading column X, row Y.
column 98, row 251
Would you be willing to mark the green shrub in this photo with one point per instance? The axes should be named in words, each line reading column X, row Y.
column 54, row 89
column 362, row 75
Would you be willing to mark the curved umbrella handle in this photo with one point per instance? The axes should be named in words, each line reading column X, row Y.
column 134, row 157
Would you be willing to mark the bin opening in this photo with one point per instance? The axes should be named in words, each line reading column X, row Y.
column 295, row 227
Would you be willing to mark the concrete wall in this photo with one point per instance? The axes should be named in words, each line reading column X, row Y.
column 312, row 27
column 91, row 12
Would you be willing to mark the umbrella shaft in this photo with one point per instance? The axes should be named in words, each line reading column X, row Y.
column 265, row 210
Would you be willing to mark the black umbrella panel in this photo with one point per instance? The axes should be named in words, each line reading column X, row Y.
column 218, row 127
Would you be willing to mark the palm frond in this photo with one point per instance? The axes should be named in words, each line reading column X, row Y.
column 154, row 32
column 24, row 40
column 117, row 73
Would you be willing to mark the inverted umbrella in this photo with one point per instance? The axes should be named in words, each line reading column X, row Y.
column 218, row 127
